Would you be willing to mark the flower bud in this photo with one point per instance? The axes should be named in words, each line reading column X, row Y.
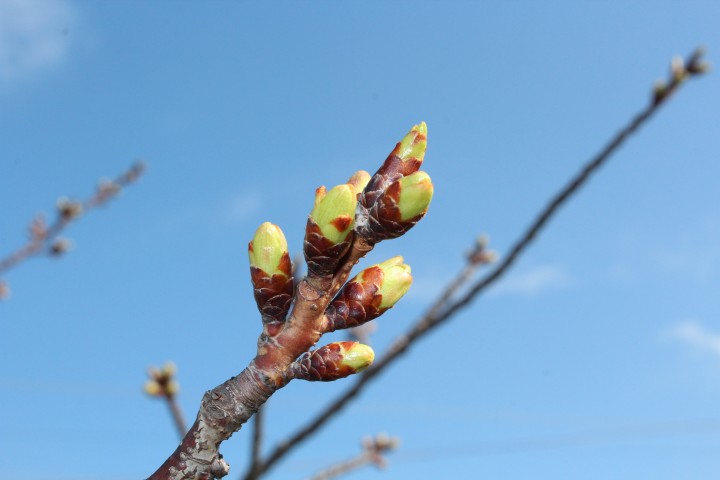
column 416, row 191
column 332, row 362
column 268, row 251
column 414, row 144
column 334, row 212
column 153, row 388
column 380, row 214
column 172, row 388
column 396, row 281
column 69, row 209
column 271, row 273
column 369, row 294
column 359, row 180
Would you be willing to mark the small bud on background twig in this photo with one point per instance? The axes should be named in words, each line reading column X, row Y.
column 373, row 450
column 163, row 384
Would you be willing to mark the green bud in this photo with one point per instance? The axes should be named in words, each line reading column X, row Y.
column 413, row 145
column 357, row 357
column 153, row 388
column 416, row 191
column 359, row 180
column 334, row 212
column 392, row 285
column 267, row 248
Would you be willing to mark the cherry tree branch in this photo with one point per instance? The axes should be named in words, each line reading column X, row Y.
column 345, row 223
column 44, row 238
column 443, row 309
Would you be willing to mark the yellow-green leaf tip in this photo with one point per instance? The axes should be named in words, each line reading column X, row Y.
column 267, row 249
column 413, row 145
column 359, row 180
column 358, row 357
column 334, row 212
column 396, row 281
column 416, row 192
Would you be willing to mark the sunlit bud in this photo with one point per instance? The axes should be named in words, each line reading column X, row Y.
column 169, row 369
column 414, row 144
column 4, row 291
column 395, row 283
column 416, row 191
column 660, row 91
column 359, row 180
column 332, row 362
column 69, row 209
column 172, row 387
column 153, row 388
column 357, row 357
column 334, row 212
column 369, row 294
column 268, row 250
column 677, row 68
column 60, row 246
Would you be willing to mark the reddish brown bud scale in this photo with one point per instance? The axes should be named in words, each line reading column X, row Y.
column 378, row 215
column 357, row 302
column 321, row 254
column 273, row 294
column 332, row 362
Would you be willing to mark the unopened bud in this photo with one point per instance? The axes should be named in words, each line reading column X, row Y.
column 172, row 388
column 395, row 283
column 334, row 212
column 268, row 250
column 153, row 388
column 369, row 294
column 69, row 209
column 332, row 362
column 416, row 192
column 359, row 180
column 60, row 247
column 414, row 144
column 4, row 291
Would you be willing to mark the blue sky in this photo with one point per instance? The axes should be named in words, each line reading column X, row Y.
column 597, row 357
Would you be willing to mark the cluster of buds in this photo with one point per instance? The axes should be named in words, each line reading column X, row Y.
column 375, row 447
column 271, row 273
column 399, row 193
column 162, row 381
column 357, row 214
column 332, row 362
column 680, row 70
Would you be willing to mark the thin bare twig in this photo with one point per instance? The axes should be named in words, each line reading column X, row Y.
column 45, row 238
column 680, row 71
column 372, row 453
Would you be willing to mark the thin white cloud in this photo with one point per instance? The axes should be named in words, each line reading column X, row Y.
column 535, row 281
column 694, row 334
column 243, row 207
column 33, row 36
